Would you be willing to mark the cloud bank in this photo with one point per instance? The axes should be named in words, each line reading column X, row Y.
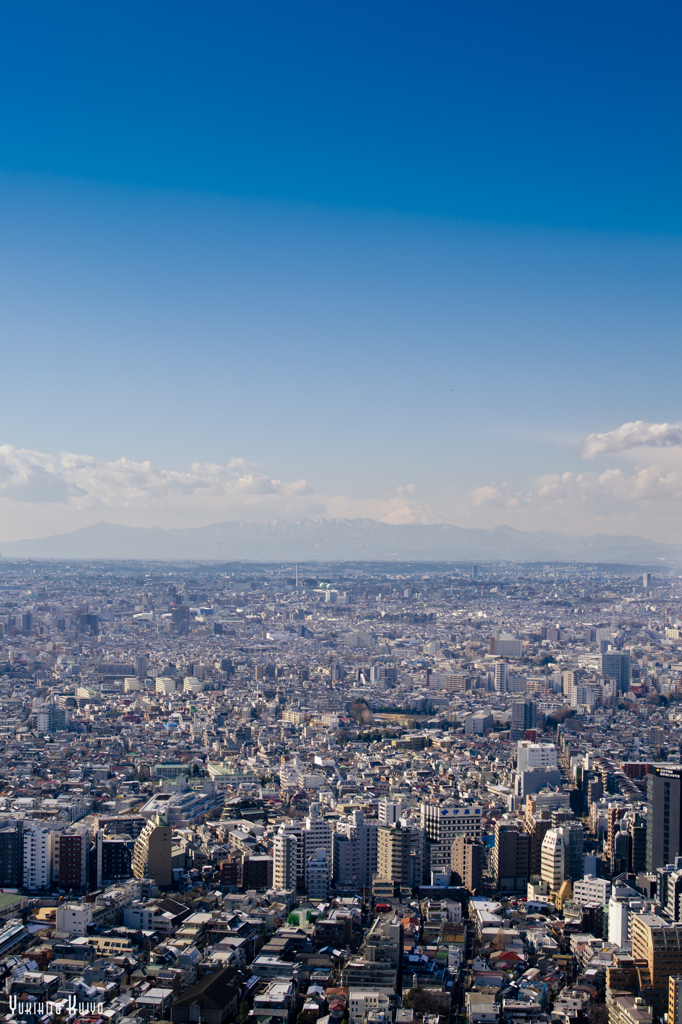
column 646, row 500
column 41, row 494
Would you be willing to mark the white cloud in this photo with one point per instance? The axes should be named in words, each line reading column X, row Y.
column 632, row 435
column 646, row 500
column 43, row 494
column 83, row 482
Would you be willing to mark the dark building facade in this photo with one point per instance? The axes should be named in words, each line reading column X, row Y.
column 512, row 855
column 664, row 815
column 11, row 856
column 617, row 665
column 74, row 849
column 524, row 716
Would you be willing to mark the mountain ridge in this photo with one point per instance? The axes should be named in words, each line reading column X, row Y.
column 336, row 540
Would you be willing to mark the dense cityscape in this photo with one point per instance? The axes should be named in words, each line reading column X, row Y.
column 341, row 792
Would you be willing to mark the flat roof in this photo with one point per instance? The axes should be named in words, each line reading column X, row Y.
column 8, row 898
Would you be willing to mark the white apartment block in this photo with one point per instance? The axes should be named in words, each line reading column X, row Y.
column 592, row 890
column 38, row 844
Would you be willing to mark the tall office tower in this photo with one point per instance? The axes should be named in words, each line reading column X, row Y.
column 38, row 844
column 441, row 823
column 398, row 856
column 354, row 854
column 500, row 679
column 387, row 812
column 141, row 664
column 466, row 861
column 659, row 943
column 71, row 858
column 510, row 859
column 617, row 665
column 553, row 859
column 285, row 860
column 524, row 716
column 11, row 855
column 317, row 875
column 152, row 856
column 646, row 580
column 664, row 815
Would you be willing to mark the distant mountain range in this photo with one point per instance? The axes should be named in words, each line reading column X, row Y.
column 338, row 540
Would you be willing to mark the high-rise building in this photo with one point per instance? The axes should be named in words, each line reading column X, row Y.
column 524, row 716
column 11, row 855
column 441, row 823
column 317, row 875
column 616, row 664
column 71, row 858
column 317, row 834
column 180, row 619
column 619, row 923
column 553, row 859
column 535, row 755
column 664, row 815
column 38, row 843
column 400, row 858
column 637, row 830
column 354, row 853
column 152, row 855
column 569, row 680
column 621, row 851
column 393, row 854
column 466, row 862
column 574, row 835
column 111, row 858
column 537, row 828
column 500, row 677
column 285, row 860
column 659, row 943
column 511, row 856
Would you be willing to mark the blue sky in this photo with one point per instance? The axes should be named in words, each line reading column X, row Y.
column 406, row 253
